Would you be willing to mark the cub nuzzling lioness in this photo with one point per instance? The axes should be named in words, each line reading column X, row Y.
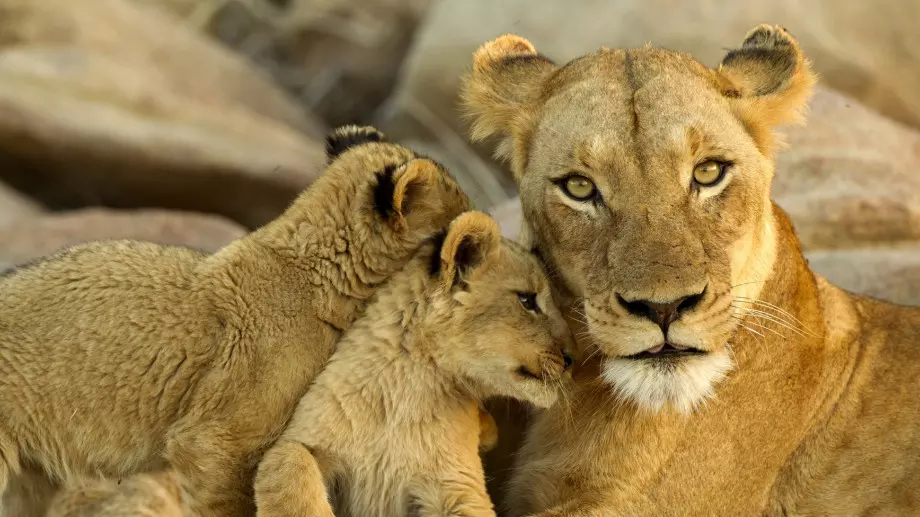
column 392, row 424
column 124, row 357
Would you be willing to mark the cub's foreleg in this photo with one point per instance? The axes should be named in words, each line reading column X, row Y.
column 290, row 483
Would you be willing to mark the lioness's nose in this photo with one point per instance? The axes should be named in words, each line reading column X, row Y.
column 661, row 313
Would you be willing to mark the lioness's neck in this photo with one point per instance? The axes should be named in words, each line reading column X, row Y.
column 788, row 304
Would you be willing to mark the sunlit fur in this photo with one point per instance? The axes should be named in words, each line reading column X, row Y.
column 805, row 400
column 391, row 427
column 121, row 357
column 144, row 495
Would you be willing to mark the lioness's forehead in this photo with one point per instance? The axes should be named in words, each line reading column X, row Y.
column 614, row 103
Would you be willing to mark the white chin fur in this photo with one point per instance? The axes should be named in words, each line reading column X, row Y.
column 651, row 386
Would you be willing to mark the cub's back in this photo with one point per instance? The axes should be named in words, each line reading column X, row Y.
column 79, row 328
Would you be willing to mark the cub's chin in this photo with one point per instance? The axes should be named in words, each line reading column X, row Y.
column 541, row 391
column 683, row 379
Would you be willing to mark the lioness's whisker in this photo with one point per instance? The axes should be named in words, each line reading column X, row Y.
column 748, row 283
column 770, row 305
column 755, row 313
column 760, row 325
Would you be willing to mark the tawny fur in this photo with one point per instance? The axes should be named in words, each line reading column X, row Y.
column 803, row 398
column 391, row 427
column 159, row 494
column 155, row 495
column 124, row 357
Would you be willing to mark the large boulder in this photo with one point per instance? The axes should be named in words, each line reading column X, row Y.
column 339, row 57
column 14, row 206
column 850, row 177
column 111, row 103
column 890, row 273
column 41, row 236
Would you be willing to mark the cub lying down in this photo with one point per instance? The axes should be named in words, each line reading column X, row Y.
column 124, row 357
column 391, row 425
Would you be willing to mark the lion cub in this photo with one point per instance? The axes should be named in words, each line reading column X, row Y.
column 125, row 357
column 392, row 424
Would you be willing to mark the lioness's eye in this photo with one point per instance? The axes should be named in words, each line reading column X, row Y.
column 529, row 301
column 709, row 172
column 579, row 188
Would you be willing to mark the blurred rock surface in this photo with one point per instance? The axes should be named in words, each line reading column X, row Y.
column 37, row 237
column 110, row 103
column 890, row 273
column 341, row 58
column 14, row 206
column 850, row 177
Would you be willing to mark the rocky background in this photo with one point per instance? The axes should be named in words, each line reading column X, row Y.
column 189, row 122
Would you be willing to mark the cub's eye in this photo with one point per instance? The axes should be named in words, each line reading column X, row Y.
column 709, row 173
column 529, row 301
column 579, row 188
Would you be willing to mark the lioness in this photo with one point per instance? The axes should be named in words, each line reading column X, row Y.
column 124, row 357
column 391, row 426
column 720, row 375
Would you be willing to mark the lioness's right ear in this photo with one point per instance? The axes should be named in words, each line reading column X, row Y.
column 471, row 240
column 500, row 93
column 767, row 81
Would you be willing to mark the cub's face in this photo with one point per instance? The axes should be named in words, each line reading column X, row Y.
column 497, row 325
column 645, row 181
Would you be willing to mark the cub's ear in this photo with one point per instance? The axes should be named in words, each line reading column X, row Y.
column 412, row 188
column 471, row 240
column 346, row 137
column 500, row 93
column 768, row 79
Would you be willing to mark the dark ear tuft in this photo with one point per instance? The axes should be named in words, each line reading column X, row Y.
column 346, row 137
column 438, row 244
column 384, row 192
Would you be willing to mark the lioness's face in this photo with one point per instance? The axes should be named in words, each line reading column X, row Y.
column 645, row 184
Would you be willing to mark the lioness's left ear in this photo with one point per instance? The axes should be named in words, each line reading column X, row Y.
column 501, row 92
column 768, row 79
column 471, row 240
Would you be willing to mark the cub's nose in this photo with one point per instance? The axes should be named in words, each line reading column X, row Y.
column 663, row 314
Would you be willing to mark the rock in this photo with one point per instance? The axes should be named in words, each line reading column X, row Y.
column 867, row 50
column 850, row 177
column 891, row 274
column 47, row 234
column 339, row 57
column 108, row 103
column 509, row 217
column 15, row 206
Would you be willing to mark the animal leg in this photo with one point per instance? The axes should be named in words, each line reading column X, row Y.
column 289, row 483
column 216, row 474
